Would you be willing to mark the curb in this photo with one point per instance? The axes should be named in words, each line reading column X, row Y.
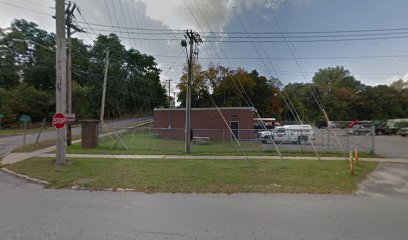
column 25, row 177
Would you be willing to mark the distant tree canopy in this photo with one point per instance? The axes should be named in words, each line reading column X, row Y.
column 27, row 70
column 333, row 89
column 345, row 98
column 225, row 87
column 27, row 84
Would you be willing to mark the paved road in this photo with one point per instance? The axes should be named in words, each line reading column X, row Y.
column 7, row 144
column 392, row 146
column 30, row 212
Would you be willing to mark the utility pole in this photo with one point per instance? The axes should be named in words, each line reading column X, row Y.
column 71, row 7
column 69, row 84
column 192, row 38
column 169, row 126
column 105, row 80
column 61, row 78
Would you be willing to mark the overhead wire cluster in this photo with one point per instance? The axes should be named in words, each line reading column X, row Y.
column 166, row 34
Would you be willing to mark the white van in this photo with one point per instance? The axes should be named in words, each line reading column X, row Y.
column 293, row 133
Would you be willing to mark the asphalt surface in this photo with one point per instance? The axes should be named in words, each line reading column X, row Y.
column 389, row 179
column 30, row 212
column 7, row 144
column 392, row 146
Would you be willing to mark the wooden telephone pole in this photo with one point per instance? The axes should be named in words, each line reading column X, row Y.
column 71, row 29
column 105, row 80
column 192, row 38
column 61, row 77
column 169, row 125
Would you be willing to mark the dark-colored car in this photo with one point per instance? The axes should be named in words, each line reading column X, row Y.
column 360, row 129
column 404, row 131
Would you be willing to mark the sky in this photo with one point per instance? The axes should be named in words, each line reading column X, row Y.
column 274, row 31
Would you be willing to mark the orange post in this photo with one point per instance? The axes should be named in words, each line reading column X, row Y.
column 351, row 163
column 356, row 156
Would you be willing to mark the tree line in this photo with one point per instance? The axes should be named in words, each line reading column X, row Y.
column 27, row 75
column 332, row 89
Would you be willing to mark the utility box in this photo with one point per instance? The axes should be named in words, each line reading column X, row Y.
column 89, row 133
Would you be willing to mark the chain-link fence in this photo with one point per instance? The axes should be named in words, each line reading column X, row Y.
column 148, row 140
column 344, row 140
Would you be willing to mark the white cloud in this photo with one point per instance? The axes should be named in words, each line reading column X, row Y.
column 178, row 14
column 395, row 78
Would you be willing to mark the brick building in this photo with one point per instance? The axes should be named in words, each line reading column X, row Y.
column 205, row 122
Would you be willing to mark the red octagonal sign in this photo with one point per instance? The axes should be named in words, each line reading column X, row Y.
column 58, row 120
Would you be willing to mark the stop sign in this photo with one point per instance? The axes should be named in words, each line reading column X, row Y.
column 58, row 120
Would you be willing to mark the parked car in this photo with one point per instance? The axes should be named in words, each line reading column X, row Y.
column 360, row 129
column 404, row 131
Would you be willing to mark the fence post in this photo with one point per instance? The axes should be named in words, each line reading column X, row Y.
column 150, row 137
column 372, row 140
column 322, row 132
column 328, row 139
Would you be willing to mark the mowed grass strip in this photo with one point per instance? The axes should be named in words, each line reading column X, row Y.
column 199, row 176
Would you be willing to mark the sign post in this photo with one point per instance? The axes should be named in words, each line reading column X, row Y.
column 24, row 118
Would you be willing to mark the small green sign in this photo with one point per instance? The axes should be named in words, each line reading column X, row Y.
column 1, row 115
column 25, row 118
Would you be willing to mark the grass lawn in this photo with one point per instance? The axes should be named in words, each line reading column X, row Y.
column 37, row 146
column 201, row 176
column 12, row 132
column 143, row 143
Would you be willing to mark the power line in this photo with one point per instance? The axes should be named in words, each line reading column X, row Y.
column 291, row 58
column 259, row 33
column 37, row 4
column 110, row 17
column 27, row 9
column 255, row 35
column 281, row 40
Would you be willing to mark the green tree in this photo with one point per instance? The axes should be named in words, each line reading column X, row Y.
column 339, row 92
column 28, row 100
column 265, row 95
column 198, row 86
column 399, row 84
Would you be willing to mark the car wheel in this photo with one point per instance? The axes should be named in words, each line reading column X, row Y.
column 302, row 140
